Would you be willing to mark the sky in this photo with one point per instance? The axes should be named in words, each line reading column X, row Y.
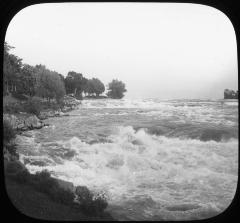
column 159, row 50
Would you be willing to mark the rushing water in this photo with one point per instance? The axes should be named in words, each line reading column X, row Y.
column 155, row 159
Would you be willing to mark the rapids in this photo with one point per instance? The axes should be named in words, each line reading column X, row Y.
column 154, row 159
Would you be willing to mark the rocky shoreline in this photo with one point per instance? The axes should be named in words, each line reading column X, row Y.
column 23, row 121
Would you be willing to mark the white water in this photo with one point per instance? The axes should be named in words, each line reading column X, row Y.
column 171, row 176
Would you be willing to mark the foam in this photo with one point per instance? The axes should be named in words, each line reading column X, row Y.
column 135, row 163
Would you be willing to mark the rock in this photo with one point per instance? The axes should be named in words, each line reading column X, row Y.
column 20, row 126
column 25, row 128
column 33, row 122
column 12, row 119
column 42, row 115
column 38, row 163
column 23, row 122
column 61, row 113
column 66, row 109
column 26, row 134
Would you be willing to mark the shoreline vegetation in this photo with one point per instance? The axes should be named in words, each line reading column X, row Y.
column 39, row 195
column 230, row 94
column 31, row 95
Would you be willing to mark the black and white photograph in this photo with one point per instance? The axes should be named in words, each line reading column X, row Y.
column 120, row 111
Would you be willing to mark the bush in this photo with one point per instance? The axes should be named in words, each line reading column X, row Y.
column 33, row 106
column 17, row 171
column 22, row 176
column 13, row 167
column 8, row 131
column 90, row 203
column 19, row 96
column 43, row 182
column 12, row 108
column 12, row 149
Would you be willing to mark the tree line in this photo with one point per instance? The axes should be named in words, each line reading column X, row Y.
column 19, row 78
column 230, row 94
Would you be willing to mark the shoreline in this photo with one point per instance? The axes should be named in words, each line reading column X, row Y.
column 22, row 123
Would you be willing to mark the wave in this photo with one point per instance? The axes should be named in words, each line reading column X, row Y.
column 135, row 166
column 202, row 133
column 153, row 103
column 130, row 155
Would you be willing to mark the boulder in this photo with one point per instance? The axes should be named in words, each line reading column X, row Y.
column 42, row 115
column 33, row 122
column 12, row 119
column 20, row 126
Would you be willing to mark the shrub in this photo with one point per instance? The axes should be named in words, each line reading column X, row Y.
column 90, row 203
column 19, row 96
column 12, row 108
column 12, row 149
column 22, row 176
column 43, row 182
column 8, row 131
column 33, row 106
column 17, row 171
column 13, row 167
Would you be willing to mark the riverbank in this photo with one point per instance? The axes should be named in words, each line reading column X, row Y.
column 35, row 201
column 36, row 204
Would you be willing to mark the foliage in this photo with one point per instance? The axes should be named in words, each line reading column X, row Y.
column 16, row 171
column 19, row 96
column 94, row 86
column 12, row 167
column 75, row 83
column 116, row 89
column 12, row 149
column 11, row 69
column 8, row 131
column 43, row 182
column 49, row 84
column 27, row 80
column 23, row 79
column 12, row 108
column 230, row 94
column 33, row 106
column 90, row 203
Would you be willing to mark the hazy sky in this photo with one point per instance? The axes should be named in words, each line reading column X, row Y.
column 159, row 50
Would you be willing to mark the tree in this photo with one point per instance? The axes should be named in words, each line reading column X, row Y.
column 98, row 86
column 49, row 84
column 230, row 94
column 75, row 83
column 116, row 89
column 94, row 86
column 27, row 80
column 11, row 69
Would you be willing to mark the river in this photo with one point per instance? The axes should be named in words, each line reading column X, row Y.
column 154, row 159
